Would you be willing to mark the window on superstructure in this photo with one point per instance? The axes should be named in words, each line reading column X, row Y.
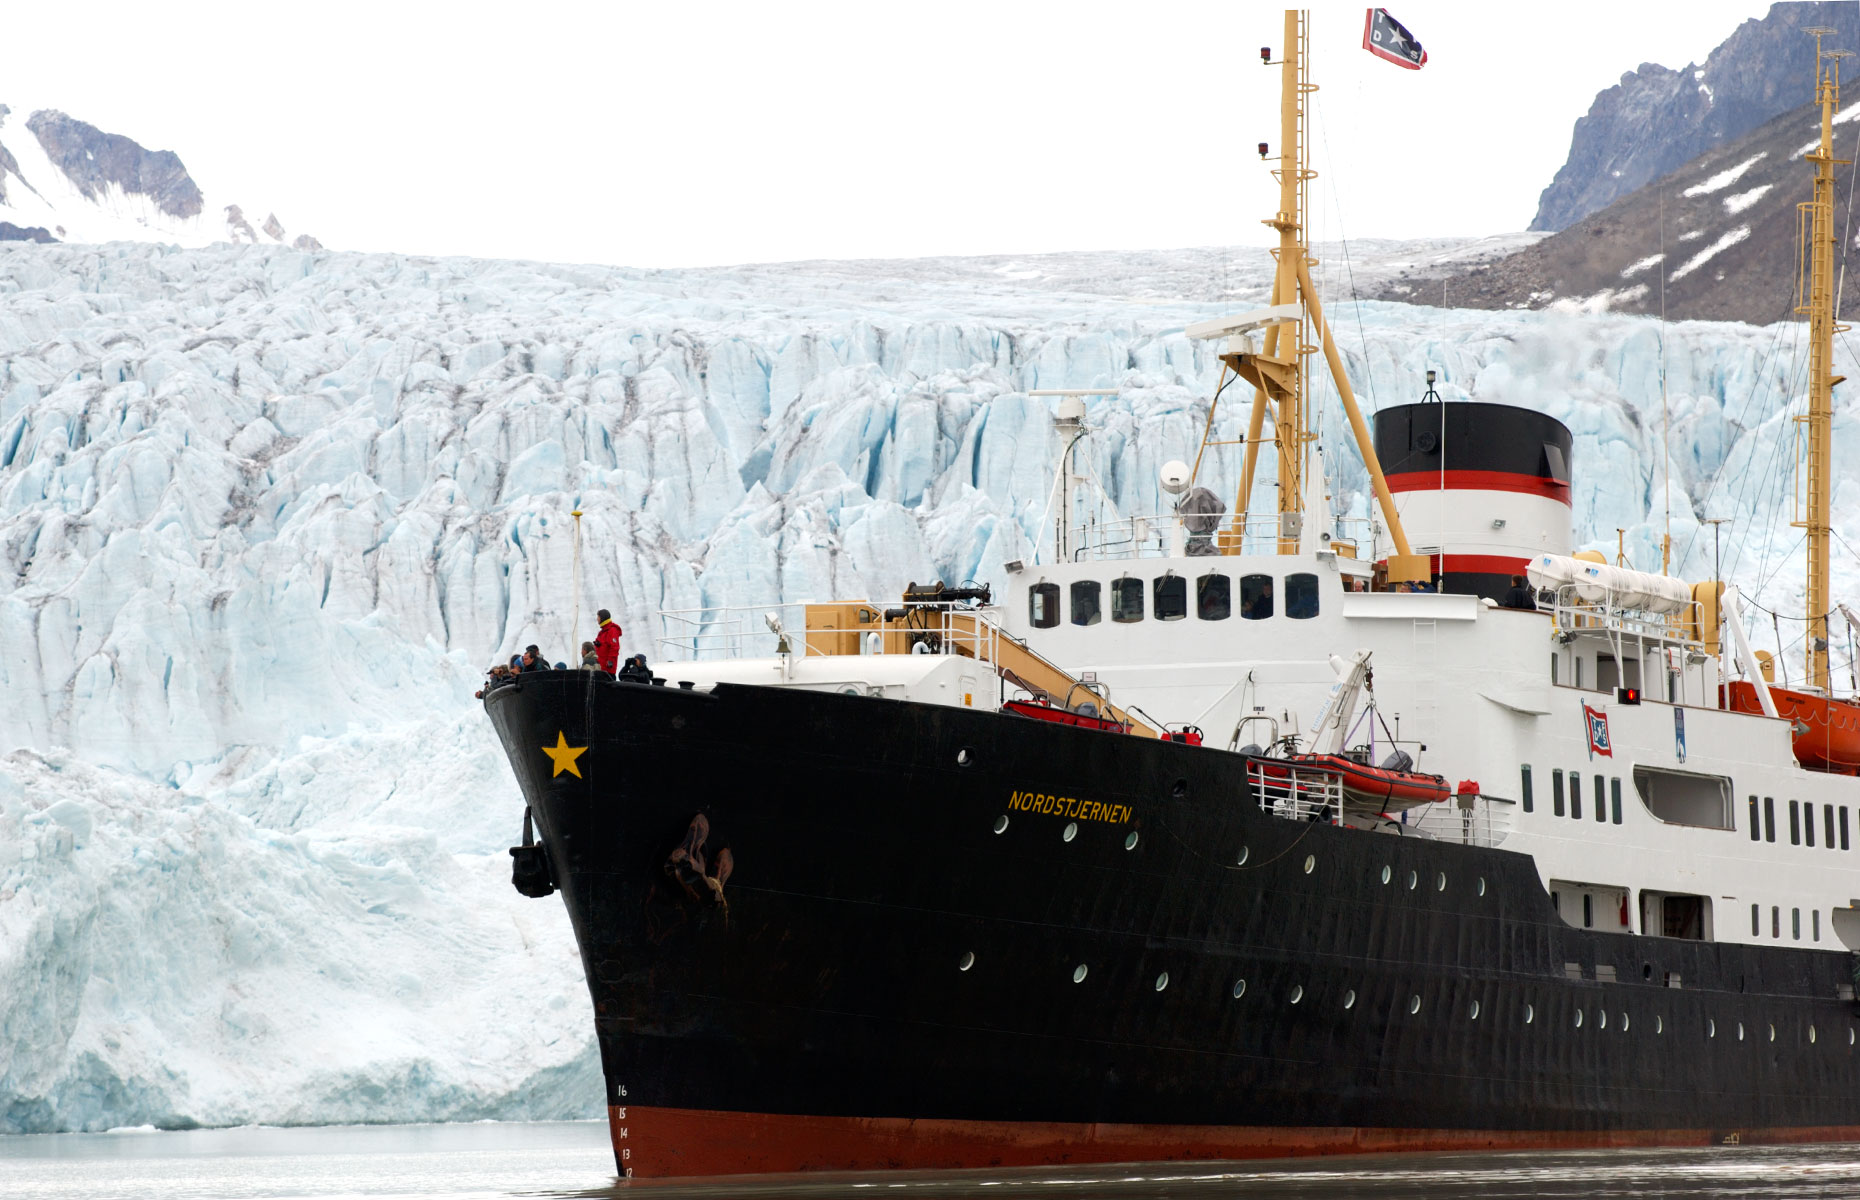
column 1756, row 822
column 1775, row 921
column 1601, row 800
column 1553, row 657
column 1524, row 787
column 1795, row 823
column 1556, row 791
column 1814, row 923
column 1808, row 823
column 1087, row 602
column 1043, row 605
column 1578, row 663
column 1214, row 597
column 1588, row 911
column 1171, row 597
column 1843, row 827
column 1827, row 825
column 1301, row 597
column 1575, row 795
column 1769, row 818
column 1255, row 597
column 1614, row 799
column 1756, row 921
column 1126, row 600
column 1795, row 924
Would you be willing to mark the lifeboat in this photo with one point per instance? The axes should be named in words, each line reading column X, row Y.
column 1041, row 711
column 1826, row 731
column 1365, row 787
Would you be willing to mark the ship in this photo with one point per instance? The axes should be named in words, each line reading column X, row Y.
column 1223, row 834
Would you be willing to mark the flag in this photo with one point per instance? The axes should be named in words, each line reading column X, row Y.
column 1597, row 721
column 1385, row 37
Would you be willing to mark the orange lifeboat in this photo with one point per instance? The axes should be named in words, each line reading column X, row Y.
column 1826, row 731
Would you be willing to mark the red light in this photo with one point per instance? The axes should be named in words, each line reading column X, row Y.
column 1262, row 149
column 1628, row 695
column 1265, row 55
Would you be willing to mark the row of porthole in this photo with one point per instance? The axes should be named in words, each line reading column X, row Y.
column 1297, row 994
column 1071, row 831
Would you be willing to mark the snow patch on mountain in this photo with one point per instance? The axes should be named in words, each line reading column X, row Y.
column 266, row 515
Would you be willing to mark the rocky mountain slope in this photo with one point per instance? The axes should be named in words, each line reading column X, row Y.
column 1715, row 240
column 1658, row 119
column 65, row 180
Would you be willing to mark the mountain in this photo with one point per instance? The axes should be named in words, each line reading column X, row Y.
column 65, row 180
column 1657, row 119
column 1715, row 240
column 267, row 515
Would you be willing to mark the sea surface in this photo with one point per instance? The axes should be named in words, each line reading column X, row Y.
column 572, row 1158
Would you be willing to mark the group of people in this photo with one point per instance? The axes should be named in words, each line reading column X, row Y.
column 602, row 654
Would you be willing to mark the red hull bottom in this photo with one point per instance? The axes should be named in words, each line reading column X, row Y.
column 656, row 1143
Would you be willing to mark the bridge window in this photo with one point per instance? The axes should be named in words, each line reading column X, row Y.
column 1525, row 785
column 1301, row 597
column 1256, row 597
column 1171, row 597
column 1214, row 600
column 1043, row 605
column 1556, row 791
column 1087, row 605
column 1126, row 600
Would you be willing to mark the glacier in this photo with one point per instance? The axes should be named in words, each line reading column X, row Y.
column 266, row 515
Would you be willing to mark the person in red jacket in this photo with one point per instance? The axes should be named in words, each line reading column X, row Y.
column 607, row 643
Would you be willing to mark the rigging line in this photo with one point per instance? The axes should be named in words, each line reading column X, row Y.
column 1847, row 224
column 1349, row 270
column 1771, row 475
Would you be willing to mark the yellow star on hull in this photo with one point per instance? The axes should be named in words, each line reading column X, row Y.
column 564, row 755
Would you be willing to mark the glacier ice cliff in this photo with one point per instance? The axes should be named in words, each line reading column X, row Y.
column 265, row 516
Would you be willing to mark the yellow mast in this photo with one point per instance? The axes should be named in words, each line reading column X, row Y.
column 1815, row 298
column 1278, row 373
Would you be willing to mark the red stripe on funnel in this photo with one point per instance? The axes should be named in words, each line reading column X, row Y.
column 1480, row 481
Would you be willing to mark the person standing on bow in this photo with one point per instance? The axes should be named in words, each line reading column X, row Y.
column 607, row 643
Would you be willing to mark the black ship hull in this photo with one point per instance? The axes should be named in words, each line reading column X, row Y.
column 948, row 937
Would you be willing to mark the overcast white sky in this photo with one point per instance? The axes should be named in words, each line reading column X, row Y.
column 677, row 133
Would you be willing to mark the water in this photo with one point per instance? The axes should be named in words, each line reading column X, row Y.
column 573, row 1158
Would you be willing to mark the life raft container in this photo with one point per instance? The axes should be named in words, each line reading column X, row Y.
column 1061, row 716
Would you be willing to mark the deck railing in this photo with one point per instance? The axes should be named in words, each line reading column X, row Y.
column 807, row 629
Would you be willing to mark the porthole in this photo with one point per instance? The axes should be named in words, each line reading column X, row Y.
column 1811, row 1035
column 1440, row 882
column 1482, row 885
column 1001, row 823
column 1162, row 981
column 1579, row 1018
column 1310, row 863
column 1130, row 843
column 1071, row 831
column 1529, row 1013
column 1180, row 789
column 1297, row 993
column 1414, row 1004
column 1711, row 1028
column 965, row 757
column 1472, row 1013
column 1387, row 875
column 966, row 961
column 1414, row 880
column 1740, row 1031
column 1241, row 861
column 1239, row 988
column 1624, row 1022
column 1349, row 998
column 1659, row 1024
column 1772, row 1033
column 1850, row 1037
column 1601, row 1018
column 1079, row 972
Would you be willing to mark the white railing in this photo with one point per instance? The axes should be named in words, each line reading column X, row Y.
column 1486, row 822
column 1295, row 791
column 803, row 629
column 1575, row 616
column 1163, row 535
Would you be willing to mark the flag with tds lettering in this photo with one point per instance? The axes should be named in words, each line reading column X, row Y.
column 1597, row 721
column 1385, row 37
